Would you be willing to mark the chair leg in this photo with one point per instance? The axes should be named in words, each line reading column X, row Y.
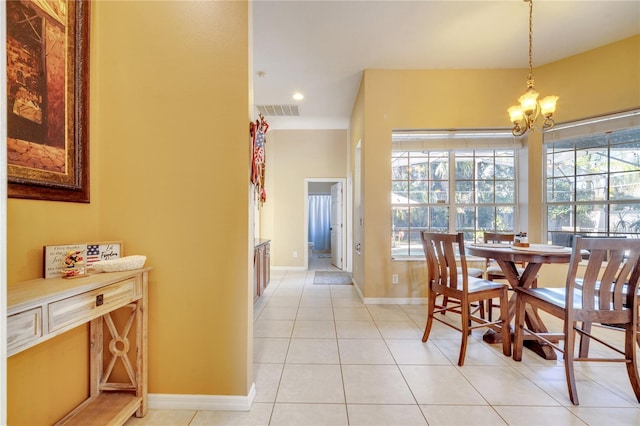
column 481, row 308
column 583, row 351
column 489, row 304
column 505, row 331
column 431, row 307
column 490, row 309
column 465, row 308
column 445, row 301
column 569, row 347
column 631, row 336
column 518, row 333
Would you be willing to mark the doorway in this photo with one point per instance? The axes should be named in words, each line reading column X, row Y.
column 325, row 224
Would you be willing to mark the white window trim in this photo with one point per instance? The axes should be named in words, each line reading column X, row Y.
column 452, row 140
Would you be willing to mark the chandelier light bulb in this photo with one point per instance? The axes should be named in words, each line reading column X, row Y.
column 548, row 105
column 529, row 101
column 515, row 114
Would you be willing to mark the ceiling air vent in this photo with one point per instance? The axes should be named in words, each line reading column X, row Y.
column 279, row 110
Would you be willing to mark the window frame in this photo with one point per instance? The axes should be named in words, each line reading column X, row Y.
column 441, row 143
column 584, row 135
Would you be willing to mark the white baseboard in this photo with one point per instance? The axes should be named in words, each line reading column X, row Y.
column 158, row 401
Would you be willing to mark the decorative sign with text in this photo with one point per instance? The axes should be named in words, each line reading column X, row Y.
column 73, row 260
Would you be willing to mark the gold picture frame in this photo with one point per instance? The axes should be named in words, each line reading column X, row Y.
column 48, row 100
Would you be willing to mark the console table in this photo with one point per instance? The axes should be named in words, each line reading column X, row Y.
column 40, row 309
column 261, row 267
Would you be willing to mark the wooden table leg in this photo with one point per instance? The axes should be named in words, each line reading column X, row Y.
column 534, row 322
column 542, row 349
column 492, row 337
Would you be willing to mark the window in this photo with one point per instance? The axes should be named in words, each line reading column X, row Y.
column 593, row 178
column 459, row 181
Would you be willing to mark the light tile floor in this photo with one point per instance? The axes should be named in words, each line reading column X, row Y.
column 323, row 358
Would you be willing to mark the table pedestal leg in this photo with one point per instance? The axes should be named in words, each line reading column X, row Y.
column 492, row 337
column 542, row 349
column 533, row 321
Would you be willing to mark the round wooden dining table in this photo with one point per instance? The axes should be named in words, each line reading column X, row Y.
column 533, row 256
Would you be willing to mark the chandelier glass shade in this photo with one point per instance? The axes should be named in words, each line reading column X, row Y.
column 525, row 115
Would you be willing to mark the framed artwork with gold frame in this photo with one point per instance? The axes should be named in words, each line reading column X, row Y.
column 48, row 99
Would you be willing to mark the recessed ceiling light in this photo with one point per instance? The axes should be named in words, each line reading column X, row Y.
column 298, row 96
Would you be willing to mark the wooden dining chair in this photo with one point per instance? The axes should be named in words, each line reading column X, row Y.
column 587, row 326
column 445, row 254
column 584, row 300
column 475, row 273
column 493, row 271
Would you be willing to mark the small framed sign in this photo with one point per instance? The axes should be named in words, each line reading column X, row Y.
column 74, row 260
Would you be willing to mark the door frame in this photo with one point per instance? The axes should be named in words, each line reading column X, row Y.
column 346, row 229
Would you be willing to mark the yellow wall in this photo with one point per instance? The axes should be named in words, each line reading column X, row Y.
column 469, row 99
column 602, row 80
column 169, row 177
column 291, row 157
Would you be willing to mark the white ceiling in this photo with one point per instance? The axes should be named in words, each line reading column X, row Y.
column 320, row 48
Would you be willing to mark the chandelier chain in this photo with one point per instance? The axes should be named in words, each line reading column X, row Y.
column 530, row 42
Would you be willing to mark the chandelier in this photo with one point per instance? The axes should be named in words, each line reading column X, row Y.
column 524, row 116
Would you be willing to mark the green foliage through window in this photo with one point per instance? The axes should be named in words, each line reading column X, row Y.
column 593, row 182
column 450, row 190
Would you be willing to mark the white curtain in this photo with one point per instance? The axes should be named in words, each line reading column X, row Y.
column 320, row 222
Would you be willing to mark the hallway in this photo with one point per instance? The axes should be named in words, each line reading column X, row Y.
column 321, row 262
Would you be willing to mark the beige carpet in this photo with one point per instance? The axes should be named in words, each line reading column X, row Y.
column 332, row 278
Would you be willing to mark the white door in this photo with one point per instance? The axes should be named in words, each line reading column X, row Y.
column 336, row 225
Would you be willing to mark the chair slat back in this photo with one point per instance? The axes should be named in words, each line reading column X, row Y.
column 494, row 237
column 441, row 251
column 613, row 261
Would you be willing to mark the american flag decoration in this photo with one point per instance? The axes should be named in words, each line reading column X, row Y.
column 104, row 251
column 257, row 130
column 93, row 253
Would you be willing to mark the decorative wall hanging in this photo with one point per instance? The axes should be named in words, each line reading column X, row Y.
column 71, row 260
column 257, row 130
column 47, row 100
